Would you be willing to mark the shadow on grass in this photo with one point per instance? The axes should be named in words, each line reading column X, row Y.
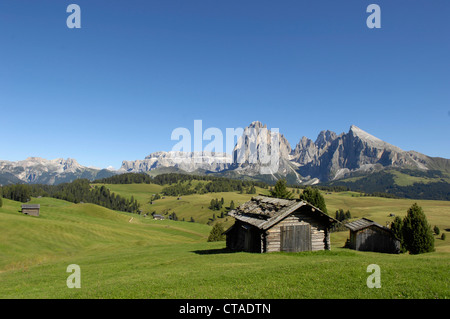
column 213, row 251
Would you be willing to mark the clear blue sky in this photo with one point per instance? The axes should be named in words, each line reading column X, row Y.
column 116, row 88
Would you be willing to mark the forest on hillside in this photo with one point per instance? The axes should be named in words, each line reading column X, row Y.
column 78, row 191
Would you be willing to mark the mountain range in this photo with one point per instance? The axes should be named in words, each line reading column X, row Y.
column 331, row 157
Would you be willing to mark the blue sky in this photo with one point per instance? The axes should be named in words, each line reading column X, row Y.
column 116, row 88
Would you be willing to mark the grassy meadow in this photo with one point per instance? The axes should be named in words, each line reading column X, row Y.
column 125, row 255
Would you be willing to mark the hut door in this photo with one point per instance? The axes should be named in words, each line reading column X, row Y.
column 296, row 238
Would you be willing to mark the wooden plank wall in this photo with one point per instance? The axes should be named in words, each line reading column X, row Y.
column 319, row 239
column 375, row 239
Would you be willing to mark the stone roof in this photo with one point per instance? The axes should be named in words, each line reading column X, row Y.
column 263, row 212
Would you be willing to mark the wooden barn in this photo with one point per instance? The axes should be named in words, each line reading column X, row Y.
column 266, row 224
column 366, row 235
column 32, row 210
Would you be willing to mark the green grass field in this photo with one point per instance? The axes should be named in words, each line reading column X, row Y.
column 128, row 256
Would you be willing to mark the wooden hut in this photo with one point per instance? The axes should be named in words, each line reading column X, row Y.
column 366, row 235
column 266, row 224
column 32, row 210
column 158, row 217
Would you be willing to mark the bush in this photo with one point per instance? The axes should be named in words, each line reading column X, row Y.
column 443, row 236
column 436, row 230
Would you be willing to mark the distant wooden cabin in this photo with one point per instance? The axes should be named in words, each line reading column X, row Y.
column 32, row 210
column 366, row 235
column 158, row 217
column 266, row 224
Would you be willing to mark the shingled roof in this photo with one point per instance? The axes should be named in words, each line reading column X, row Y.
column 263, row 212
column 31, row 206
column 361, row 224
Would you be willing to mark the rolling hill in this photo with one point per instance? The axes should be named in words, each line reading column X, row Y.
column 124, row 255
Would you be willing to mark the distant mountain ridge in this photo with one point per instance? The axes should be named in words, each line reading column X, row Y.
column 330, row 157
column 36, row 170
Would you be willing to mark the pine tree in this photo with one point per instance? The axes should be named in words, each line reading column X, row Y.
column 232, row 206
column 397, row 229
column 280, row 190
column 252, row 190
column 417, row 233
column 348, row 215
column 315, row 198
column 216, row 233
column 212, row 204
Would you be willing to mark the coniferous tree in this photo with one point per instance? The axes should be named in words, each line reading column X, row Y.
column 348, row 215
column 216, row 233
column 315, row 198
column 280, row 190
column 232, row 206
column 397, row 229
column 417, row 233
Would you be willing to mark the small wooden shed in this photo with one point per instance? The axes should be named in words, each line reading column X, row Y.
column 158, row 217
column 31, row 209
column 366, row 235
column 266, row 224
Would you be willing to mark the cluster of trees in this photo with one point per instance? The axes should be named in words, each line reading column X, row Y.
column 413, row 231
column 77, row 191
column 341, row 216
column 127, row 178
column 216, row 204
column 326, row 188
column 178, row 190
column 309, row 194
column 19, row 192
column 215, row 186
column 180, row 184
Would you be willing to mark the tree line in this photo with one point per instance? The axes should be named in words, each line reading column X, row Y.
column 77, row 191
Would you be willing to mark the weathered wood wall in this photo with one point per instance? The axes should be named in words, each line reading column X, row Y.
column 31, row 211
column 244, row 237
column 320, row 239
column 374, row 239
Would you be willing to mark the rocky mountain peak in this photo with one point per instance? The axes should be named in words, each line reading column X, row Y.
column 325, row 138
column 257, row 124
